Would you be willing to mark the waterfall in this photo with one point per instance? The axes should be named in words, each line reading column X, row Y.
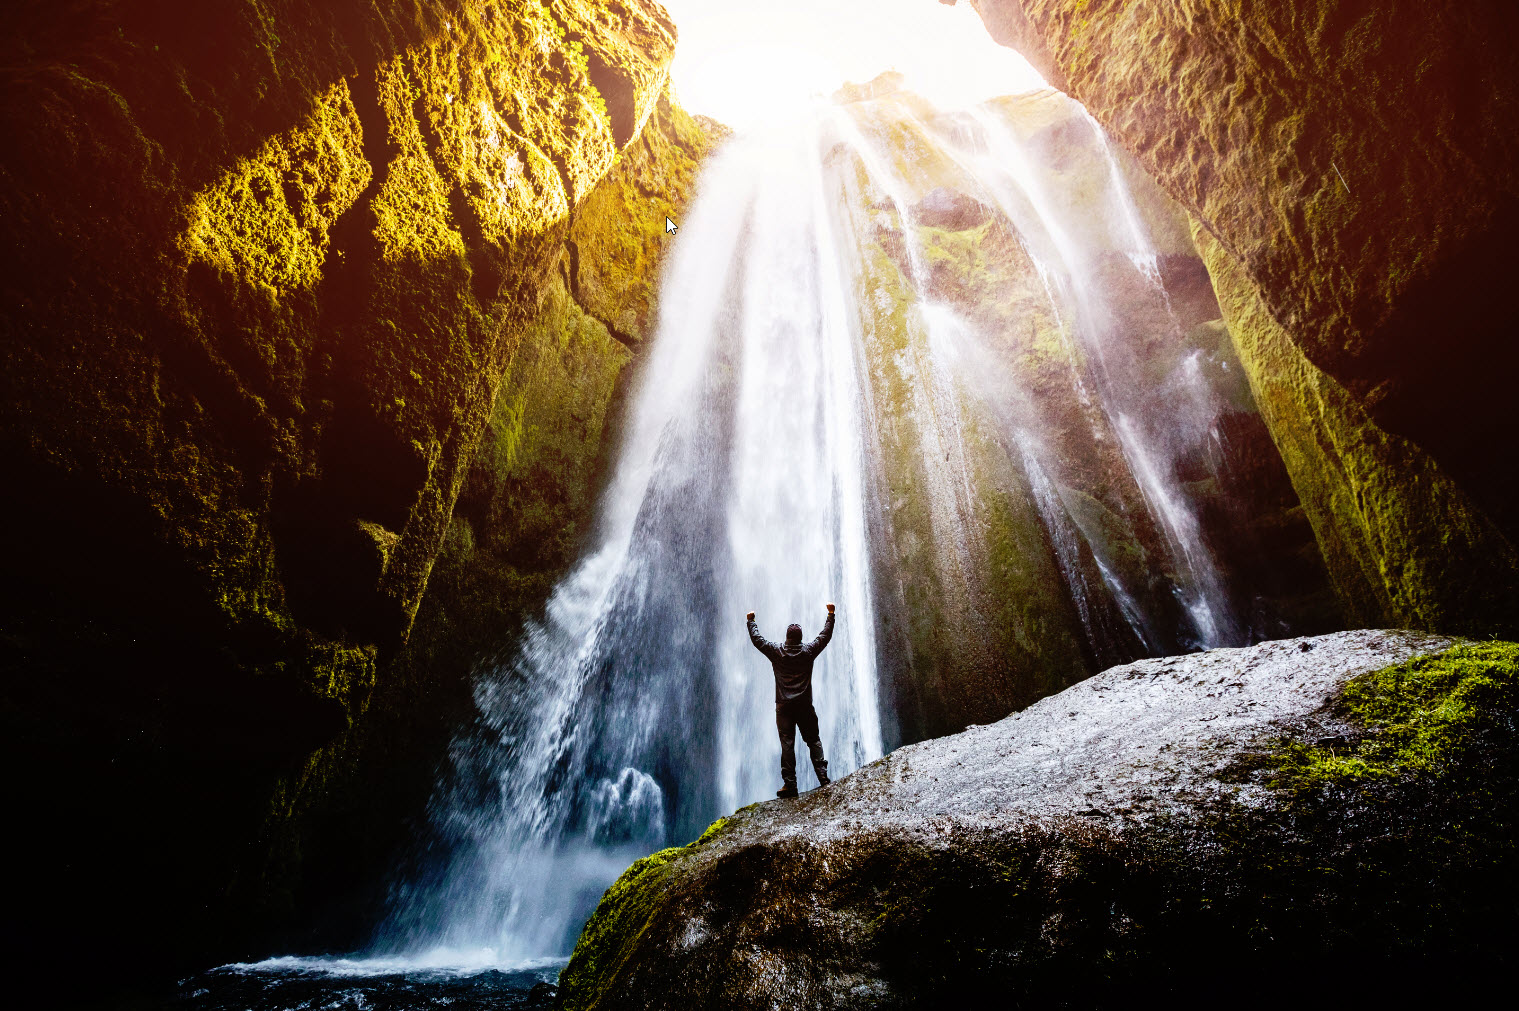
column 637, row 711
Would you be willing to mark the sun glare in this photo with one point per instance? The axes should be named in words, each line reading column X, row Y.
column 747, row 63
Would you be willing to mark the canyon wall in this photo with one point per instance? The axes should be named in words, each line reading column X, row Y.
column 1352, row 175
column 274, row 272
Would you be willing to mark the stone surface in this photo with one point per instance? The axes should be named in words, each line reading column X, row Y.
column 1355, row 161
column 1400, row 536
column 1141, row 824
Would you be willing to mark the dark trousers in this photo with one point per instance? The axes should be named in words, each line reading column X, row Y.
column 789, row 717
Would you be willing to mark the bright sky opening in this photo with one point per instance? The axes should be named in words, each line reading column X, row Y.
column 744, row 63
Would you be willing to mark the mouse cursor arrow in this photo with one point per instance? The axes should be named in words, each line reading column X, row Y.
column 670, row 226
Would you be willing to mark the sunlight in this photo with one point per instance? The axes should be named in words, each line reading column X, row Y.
column 743, row 64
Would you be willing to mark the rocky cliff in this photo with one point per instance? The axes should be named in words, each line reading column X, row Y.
column 1282, row 810
column 1354, row 183
column 273, row 273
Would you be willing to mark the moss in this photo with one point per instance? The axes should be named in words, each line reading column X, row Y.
column 1110, row 535
column 618, row 236
column 611, row 936
column 1417, row 717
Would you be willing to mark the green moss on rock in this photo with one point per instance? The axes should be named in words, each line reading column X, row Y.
column 628, row 908
column 1418, row 717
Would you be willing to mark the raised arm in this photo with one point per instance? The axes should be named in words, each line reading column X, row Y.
column 816, row 646
column 762, row 644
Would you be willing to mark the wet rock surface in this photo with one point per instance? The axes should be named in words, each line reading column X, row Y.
column 1011, row 595
column 1134, row 827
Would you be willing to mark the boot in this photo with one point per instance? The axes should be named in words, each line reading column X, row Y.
column 821, row 768
column 786, row 790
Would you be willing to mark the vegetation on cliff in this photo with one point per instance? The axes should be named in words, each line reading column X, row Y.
column 1401, row 539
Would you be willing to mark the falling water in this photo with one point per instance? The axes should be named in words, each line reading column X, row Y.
column 1018, row 185
column 957, row 354
column 637, row 711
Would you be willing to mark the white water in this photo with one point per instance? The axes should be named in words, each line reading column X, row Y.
column 638, row 711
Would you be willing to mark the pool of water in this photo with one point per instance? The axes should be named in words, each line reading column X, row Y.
column 338, row 984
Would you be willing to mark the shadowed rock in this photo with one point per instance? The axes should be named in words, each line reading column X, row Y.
column 1287, row 805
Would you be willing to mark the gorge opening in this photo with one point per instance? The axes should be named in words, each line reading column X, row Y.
column 940, row 365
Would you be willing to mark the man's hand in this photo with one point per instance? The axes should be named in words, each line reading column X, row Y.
column 749, row 616
column 830, row 608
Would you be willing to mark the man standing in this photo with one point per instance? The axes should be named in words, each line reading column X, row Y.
column 792, row 664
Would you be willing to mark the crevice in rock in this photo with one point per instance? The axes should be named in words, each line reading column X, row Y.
column 572, row 281
column 616, row 91
column 485, row 258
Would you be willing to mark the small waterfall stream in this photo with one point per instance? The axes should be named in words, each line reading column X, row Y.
column 1007, row 172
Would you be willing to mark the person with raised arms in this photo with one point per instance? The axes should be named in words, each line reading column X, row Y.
column 792, row 665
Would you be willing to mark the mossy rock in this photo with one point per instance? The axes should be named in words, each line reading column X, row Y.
column 1346, row 230
column 1150, row 827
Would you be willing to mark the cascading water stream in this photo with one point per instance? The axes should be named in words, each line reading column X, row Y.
column 1014, row 181
column 956, row 353
column 637, row 711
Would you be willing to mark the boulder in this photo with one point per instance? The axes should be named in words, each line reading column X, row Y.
column 942, row 207
column 1284, row 808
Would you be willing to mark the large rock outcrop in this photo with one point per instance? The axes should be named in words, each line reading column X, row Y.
column 267, row 267
column 1353, row 176
column 1282, row 809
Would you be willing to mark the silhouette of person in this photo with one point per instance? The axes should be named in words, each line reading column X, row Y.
column 792, row 665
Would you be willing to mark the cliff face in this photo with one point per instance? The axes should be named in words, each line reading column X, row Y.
column 267, row 267
column 1351, row 172
column 975, row 619
column 1267, row 814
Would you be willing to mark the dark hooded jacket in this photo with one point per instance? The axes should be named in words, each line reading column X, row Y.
column 792, row 662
